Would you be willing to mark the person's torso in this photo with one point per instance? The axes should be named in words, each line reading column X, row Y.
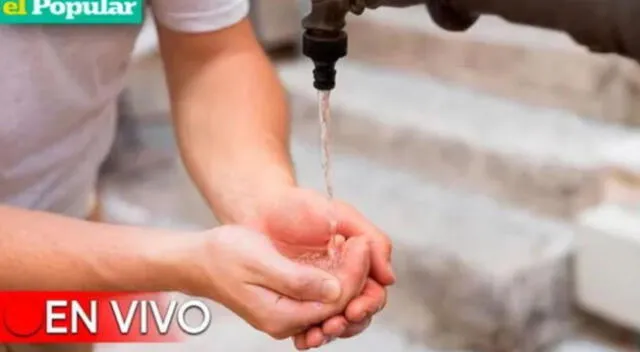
column 58, row 88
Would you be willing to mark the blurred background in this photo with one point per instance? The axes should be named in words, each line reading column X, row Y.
column 503, row 162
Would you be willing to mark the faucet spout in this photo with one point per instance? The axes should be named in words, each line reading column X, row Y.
column 324, row 40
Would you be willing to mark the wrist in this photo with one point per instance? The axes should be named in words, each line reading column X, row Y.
column 241, row 200
column 198, row 264
column 165, row 261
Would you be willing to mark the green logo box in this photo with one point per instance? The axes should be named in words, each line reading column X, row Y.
column 71, row 11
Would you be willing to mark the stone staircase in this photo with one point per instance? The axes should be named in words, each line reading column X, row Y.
column 485, row 157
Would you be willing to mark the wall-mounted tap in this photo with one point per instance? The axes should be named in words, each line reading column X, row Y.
column 602, row 25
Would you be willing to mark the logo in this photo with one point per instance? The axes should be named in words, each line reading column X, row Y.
column 85, row 317
column 71, row 11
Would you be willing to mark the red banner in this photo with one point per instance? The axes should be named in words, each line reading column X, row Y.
column 94, row 317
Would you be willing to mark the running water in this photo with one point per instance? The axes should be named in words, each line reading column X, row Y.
column 326, row 260
column 324, row 113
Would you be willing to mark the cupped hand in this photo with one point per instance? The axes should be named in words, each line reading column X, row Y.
column 244, row 271
column 299, row 220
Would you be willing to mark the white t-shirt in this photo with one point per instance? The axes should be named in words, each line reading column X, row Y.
column 58, row 92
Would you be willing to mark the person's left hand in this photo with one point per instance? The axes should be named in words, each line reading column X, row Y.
column 296, row 219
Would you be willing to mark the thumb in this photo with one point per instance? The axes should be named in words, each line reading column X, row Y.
column 298, row 281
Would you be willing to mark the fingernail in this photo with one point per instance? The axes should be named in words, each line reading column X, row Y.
column 330, row 290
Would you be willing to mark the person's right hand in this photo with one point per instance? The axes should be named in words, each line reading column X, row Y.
column 242, row 270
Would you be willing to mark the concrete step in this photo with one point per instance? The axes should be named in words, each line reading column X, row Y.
column 547, row 160
column 534, row 66
column 608, row 263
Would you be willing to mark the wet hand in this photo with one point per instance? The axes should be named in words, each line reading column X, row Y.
column 299, row 219
column 244, row 271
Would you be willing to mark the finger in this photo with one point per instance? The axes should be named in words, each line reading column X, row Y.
column 350, row 224
column 335, row 326
column 372, row 299
column 353, row 268
column 356, row 329
column 300, row 342
column 352, row 275
column 331, row 328
column 315, row 338
column 297, row 281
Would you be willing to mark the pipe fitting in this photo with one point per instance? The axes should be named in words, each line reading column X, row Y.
column 324, row 40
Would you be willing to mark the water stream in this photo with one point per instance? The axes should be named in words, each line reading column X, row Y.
column 324, row 114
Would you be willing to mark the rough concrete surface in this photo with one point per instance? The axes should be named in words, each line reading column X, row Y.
column 543, row 159
column 608, row 263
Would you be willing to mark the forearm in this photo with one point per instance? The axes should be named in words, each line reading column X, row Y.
column 40, row 251
column 232, row 126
